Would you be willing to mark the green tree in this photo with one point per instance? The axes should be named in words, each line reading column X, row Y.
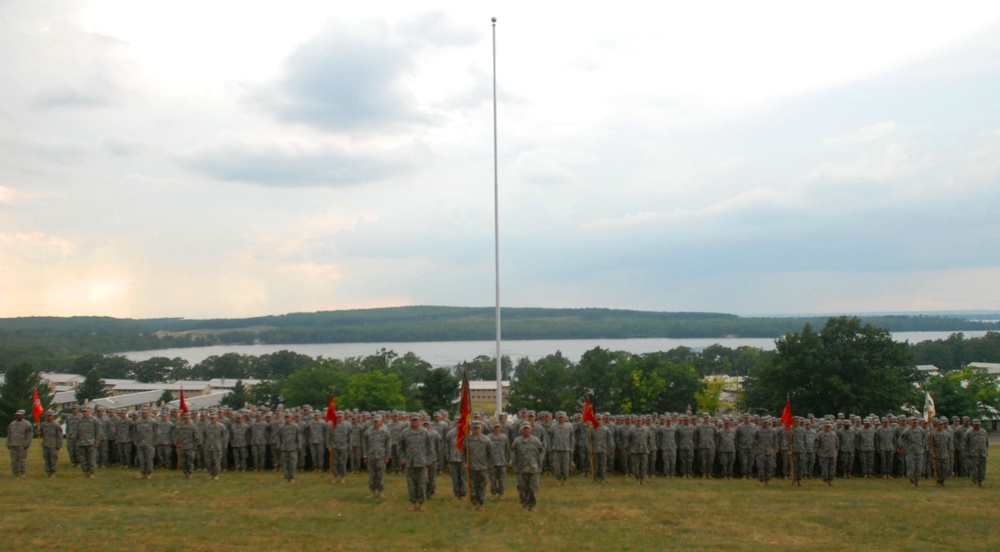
column 439, row 390
column 709, row 399
column 159, row 369
column 165, row 397
column 92, row 387
column 16, row 393
column 969, row 392
column 238, row 397
column 846, row 367
column 312, row 385
column 594, row 377
column 484, row 367
column 546, row 384
column 267, row 393
column 374, row 390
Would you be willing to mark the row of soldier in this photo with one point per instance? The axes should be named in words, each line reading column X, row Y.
column 639, row 446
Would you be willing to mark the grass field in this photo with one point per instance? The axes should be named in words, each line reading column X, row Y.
column 258, row 511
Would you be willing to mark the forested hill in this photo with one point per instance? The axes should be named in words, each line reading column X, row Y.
column 74, row 335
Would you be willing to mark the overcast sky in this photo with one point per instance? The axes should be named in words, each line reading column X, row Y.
column 231, row 159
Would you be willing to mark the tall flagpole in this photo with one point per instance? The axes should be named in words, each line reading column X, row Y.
column 496, row 219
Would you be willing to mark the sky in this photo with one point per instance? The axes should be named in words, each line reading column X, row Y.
column 234, row 159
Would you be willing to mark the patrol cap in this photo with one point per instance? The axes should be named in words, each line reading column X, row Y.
column 414, row 416
column 50, row 413
column 560, row 414
column 965, row 418
column 377, row 418
column 497, row 424
column 82, row 409
column 976, row 421
column 186, row 416
column 525, row 425
column 19, row 413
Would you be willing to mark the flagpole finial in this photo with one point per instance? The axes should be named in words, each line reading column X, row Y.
column 494, row 19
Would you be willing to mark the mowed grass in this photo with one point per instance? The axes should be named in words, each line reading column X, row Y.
column 259, row 511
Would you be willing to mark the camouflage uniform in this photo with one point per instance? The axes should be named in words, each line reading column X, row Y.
column 685, row 448
column 415, row 457
column 501, row 455
column 239, row 440
column 562, row 439
column 764, row 448
column 603, row 443
column 977, row 449
column 827, row 445
column 377, row 448
column 340, row 440
column 479, row 451
column 19, row 436
column 215, row 438
column 52, row 436
column 88, row 438
column 124, row 440
column 187, row 438
column 289, row 439
column 527, row 457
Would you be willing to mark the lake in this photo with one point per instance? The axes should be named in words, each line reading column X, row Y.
column 450, row 353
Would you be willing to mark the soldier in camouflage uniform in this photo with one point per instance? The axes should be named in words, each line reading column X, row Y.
column 725, row 449
column 827, row 445
column 668, row 448
column 704, row 442
column 51, row 442
column 527, row 457
column 415, row 457
column 977, row 449
column 357, row 448
column 501, row 455
column 340, row 440
column 941, row 447
column 215, row 439
column 289, row 438
column 144, row 436
column 479, row 450
column 866, row 449
column 848, row 445
column 239, row 440
column 436, row 444
column 885, row 446
column 88, row 439
column 744, row 446
column 71, row 421
column 638, row 447
column 685, row 448
column 455, row 465
column 319, row 438
column 19, row 436
column 603, row 445
column 562, row 441
column 164, row 441
column 124, row 439
column 912, row 443
column 258, row 441
column 377, row 448
column 188, row 437
column 765, row 447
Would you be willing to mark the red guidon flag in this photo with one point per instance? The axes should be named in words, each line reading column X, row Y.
column 36, row 407
column 786, row 416
column 462, row 426
column 588, row 414
column 184, row 404
column 331, row 412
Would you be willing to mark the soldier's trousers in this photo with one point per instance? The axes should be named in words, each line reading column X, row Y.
column 356, row 458
column 798, row 465
column 885, row 462
column 527, row 488
column 765, row 466
column 376, row 474
column 727, row 460
column 300, row 458
column 18, row 460
column 828, row 467
column 240, row 458
column 125, row 454
column 187, row 459
column 477, row 480
column 498, row 479
column 746, row 463
column 51, row 458
column 914, row 466
column 686, row 459
column 259, row 456
column 431, row 482
column 580, row 459
column 145, row 457
column 638, row 465
column 943, row 466
column 706, row 459
column 416, row 483
column 961, row 463
column 102, row 451
column 866, row 459
column 87, row 455
column 846, row 461
column 809, row 468
column 316, row 453
column 289, row 461
column 274, row 456
column 669, row 462
column 458, row 483
column 976, row 465
column 339, row 462
column 213, row 462
column 600, row 466
column 163, row 456
column 560, row 463
column 71, row 448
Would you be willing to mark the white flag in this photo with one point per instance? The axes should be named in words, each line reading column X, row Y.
column 929, row 410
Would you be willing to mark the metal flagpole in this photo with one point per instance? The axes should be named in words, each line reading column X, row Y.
column 496, row 219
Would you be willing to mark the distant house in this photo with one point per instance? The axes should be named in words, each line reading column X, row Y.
column 928, row 370
column 129, row 402
column 61, row 382
column 486, row 390
column 230, row 383
column 190, row 388
column 992, row 368
column 211, row 400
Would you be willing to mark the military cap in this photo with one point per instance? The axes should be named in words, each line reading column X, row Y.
column 525, row 425
column 186, row 416
column 965, row 418
column 82, row 409
column 497, row 424
column 414, row 416
column 50, row 413
column 976, row 422
column 560, row 414
column 377, row 418
column 531, row 413
column 19, row 413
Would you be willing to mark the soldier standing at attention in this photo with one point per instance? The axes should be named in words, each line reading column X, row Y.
column 685, row 448
column 725, row 446
column 977, row 450
column 603, row 449
column 911, row 443
column 942, row 446
column 501, row 455
column 415, row 458
column 51, row 442
column 188, row 438
column 377, row 448
column 562, row 442
column 239, row 441
column 102, row 449
column 827, row 444
column 744, row 445
column 19, row 436
column 124, row 439
column 340, row 440
column 164, row 441
column 288, row 446
column 319, row 438
column 479, row 450
column 765, row 448
column 145, row 436
column 258, row 441
column 885, row 446
column 866, row 449
column 704, row 441
column 527, row 457
column 455, row 462
column 88, row 438
column 435, row 453
column 215, row 439
column 71, row 421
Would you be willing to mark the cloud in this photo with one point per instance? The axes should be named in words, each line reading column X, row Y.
column 291, row 163
column 437, row 29
column 347, row 77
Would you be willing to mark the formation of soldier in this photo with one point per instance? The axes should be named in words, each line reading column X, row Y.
column 422, row 446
